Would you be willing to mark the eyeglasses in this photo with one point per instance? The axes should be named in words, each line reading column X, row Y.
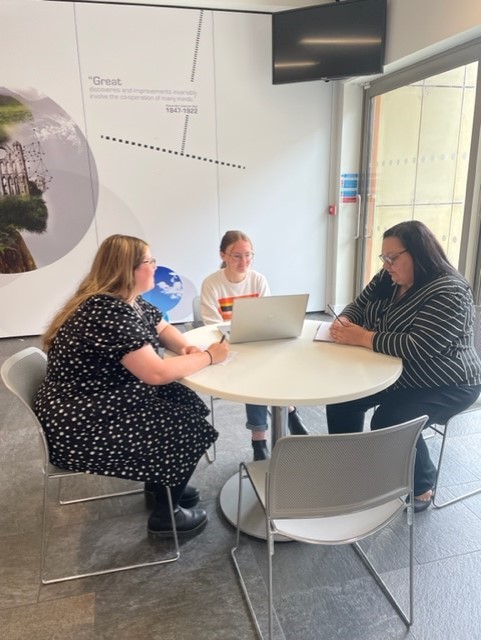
column 238, row 257
column 390, row 260
column 151, row 261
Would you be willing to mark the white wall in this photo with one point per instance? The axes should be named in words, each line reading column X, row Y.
column 284, row 132
column 417, row 28
column 258, row 154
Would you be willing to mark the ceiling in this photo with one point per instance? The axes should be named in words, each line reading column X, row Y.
column 250, row 6
column 264, row 6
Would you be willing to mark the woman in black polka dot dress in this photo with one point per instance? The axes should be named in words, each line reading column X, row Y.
column 109, row 403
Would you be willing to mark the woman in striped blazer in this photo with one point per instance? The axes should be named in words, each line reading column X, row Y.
column 418, row 308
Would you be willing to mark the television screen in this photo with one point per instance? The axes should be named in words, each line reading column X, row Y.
column 329, row 41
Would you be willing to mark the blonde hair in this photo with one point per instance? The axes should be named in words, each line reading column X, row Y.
column 111, row 273
column 231, row 237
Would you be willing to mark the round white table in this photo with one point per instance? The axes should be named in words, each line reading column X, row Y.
column 280, row 373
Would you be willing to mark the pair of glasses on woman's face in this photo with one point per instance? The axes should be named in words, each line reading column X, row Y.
column 238, row 257
column 390, row 260
column 151, row 261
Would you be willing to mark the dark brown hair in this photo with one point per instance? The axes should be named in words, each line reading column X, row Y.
column 428, row 256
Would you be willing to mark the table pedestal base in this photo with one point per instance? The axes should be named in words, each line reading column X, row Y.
column 253, row 521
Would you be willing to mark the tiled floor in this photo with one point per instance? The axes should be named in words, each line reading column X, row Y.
column 321, row 593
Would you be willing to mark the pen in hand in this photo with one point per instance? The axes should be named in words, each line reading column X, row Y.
column 222, row 339
column 336, row 316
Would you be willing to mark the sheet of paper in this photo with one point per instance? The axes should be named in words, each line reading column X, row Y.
column 322, row 334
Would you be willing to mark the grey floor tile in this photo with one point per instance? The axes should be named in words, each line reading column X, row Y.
column 71, row 618
column 447, row 598
column 445, row 533
column 203, row 603
column 462, row 455
column 9, row 346
column 357, row 610
column 19, row 570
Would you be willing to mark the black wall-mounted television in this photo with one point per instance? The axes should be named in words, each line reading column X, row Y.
column 329, row 41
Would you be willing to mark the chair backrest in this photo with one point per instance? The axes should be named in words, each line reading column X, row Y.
column 198, row 322
column 23, row 373
column 312, row 476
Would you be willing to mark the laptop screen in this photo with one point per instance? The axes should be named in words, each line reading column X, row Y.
column 266, row 318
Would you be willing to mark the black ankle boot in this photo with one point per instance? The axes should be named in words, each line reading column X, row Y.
column 187, row 521
column 295, row 424
column 261, row 452
column 190, row 496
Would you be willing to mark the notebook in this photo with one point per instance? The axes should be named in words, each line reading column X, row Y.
column 323, row 332
column 266, row 318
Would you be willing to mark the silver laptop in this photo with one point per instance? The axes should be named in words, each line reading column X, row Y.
column 266, row 318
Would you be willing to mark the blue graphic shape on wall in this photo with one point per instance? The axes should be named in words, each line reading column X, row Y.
column 168, row 290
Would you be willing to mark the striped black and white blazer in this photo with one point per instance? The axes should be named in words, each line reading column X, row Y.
column 430, row 328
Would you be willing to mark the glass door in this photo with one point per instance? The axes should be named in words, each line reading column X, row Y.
column 417, row 159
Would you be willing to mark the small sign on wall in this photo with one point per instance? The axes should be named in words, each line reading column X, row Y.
column 349, row 187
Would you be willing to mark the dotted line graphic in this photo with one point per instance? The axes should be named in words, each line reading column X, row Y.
column 196, row 47
column 191, row 156
column 184, row 135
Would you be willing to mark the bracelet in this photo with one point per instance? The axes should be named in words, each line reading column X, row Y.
column 210, row 356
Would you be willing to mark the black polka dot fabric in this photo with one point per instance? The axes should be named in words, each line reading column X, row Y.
column 99, row 418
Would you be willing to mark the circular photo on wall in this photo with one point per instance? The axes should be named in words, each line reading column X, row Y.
column 48, row 182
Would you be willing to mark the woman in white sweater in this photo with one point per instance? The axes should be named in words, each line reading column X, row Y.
column 236, row 279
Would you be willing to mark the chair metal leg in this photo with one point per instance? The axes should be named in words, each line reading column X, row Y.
column 172, row 558
column 102, row 497
column 70, row 474
column 211, row 457
column 234, row 559
column 43, row 543
column 406, row 618
column 443, row 431
column 270, row 553
column 438, row 505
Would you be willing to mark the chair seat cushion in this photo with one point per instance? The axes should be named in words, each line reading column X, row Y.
column 340, row 529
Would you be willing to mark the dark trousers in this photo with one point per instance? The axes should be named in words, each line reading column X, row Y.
column 401, row 405
column 161, row 507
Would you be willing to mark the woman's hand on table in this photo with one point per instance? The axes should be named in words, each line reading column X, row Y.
column 343, row 331
column 218, row 351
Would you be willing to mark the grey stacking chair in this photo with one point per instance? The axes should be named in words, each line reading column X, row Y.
column 198, row 322
column 22, row 374
column 443, row 430
column 333, row 490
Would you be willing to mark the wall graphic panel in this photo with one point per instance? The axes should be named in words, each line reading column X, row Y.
column 151, row 122
column 48, row 179
column 161, row 123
